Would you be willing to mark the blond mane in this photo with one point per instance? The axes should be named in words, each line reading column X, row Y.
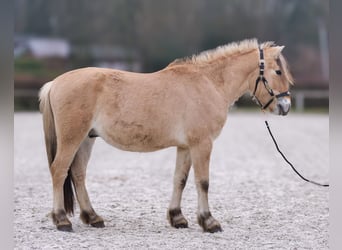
column 229, row 49
column 223, row 51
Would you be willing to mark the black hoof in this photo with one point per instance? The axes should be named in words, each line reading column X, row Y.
column 64, row 228
column 99, row 224
column 214, row 229
column 181, row 225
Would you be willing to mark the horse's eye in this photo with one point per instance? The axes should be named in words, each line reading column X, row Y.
column 278, row 72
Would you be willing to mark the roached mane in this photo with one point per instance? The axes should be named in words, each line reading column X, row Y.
column 223, row 51
column 243, row 46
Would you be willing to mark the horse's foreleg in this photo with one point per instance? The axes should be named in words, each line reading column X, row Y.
column 78, row 170
column 200, row 155
column 183, row 164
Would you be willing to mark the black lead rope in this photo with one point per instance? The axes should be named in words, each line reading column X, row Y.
column 313, row 182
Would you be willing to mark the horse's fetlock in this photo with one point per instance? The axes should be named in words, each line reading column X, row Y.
column 208, row 223
column 91, row 218
column 61, row 221
column 183, row 182
column 85, row 217
column 176, row 218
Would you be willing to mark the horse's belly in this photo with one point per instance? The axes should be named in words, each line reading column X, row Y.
column 136, row 143
column 136, row 138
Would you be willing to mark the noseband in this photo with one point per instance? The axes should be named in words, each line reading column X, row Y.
column 261, row 78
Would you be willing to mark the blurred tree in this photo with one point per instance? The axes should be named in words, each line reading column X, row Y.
column 165, row 30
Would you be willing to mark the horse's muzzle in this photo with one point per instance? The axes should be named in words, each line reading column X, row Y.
column 283, row 106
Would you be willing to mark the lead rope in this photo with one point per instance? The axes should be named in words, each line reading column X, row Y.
column 288, row 162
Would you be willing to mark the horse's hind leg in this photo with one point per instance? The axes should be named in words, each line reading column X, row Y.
column 60, row 171
column 200, row 155
column 183, row 164
column 78, row 172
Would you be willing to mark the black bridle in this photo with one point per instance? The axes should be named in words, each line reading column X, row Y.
column 261, row 78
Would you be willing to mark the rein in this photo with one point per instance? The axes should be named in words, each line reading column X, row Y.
column 262, row 78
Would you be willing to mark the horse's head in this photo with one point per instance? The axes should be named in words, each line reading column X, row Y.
column 271, row 89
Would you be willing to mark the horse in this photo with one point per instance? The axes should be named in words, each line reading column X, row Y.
column 184, row 105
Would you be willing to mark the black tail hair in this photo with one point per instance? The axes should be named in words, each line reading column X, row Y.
column 69, row 199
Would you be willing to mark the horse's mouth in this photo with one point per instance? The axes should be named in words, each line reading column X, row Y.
column 283, row 106
column 283, row 110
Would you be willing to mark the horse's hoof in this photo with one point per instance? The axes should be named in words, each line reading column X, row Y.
column 61, row 221
column 64, row 228
column 99, row 224
column 176, row 218
column 91, row 218
column 214, row 229
column 208, row 223
column 183, row 224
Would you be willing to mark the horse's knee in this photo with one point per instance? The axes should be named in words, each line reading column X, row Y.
column 58, row 178
column 60, row 167
column 204, row 185
column 78, row 178
column 182, row 182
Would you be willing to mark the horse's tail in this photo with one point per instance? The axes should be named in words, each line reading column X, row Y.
column 48, row 122
column 51, row 143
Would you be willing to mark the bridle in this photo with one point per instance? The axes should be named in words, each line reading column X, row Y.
column 262, row 78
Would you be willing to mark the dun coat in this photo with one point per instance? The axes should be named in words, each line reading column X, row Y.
column 184, row 105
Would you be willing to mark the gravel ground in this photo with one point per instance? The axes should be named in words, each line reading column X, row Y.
column 259, row 201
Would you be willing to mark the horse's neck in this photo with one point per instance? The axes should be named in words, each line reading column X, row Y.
column 231, row 75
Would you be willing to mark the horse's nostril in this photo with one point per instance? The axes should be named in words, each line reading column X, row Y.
column 283, row 109
column 284, row 106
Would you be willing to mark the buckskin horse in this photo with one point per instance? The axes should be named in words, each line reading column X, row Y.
column 183, row 105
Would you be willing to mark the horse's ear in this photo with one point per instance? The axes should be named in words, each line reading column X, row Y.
column 277, row 50
column 281, row 48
